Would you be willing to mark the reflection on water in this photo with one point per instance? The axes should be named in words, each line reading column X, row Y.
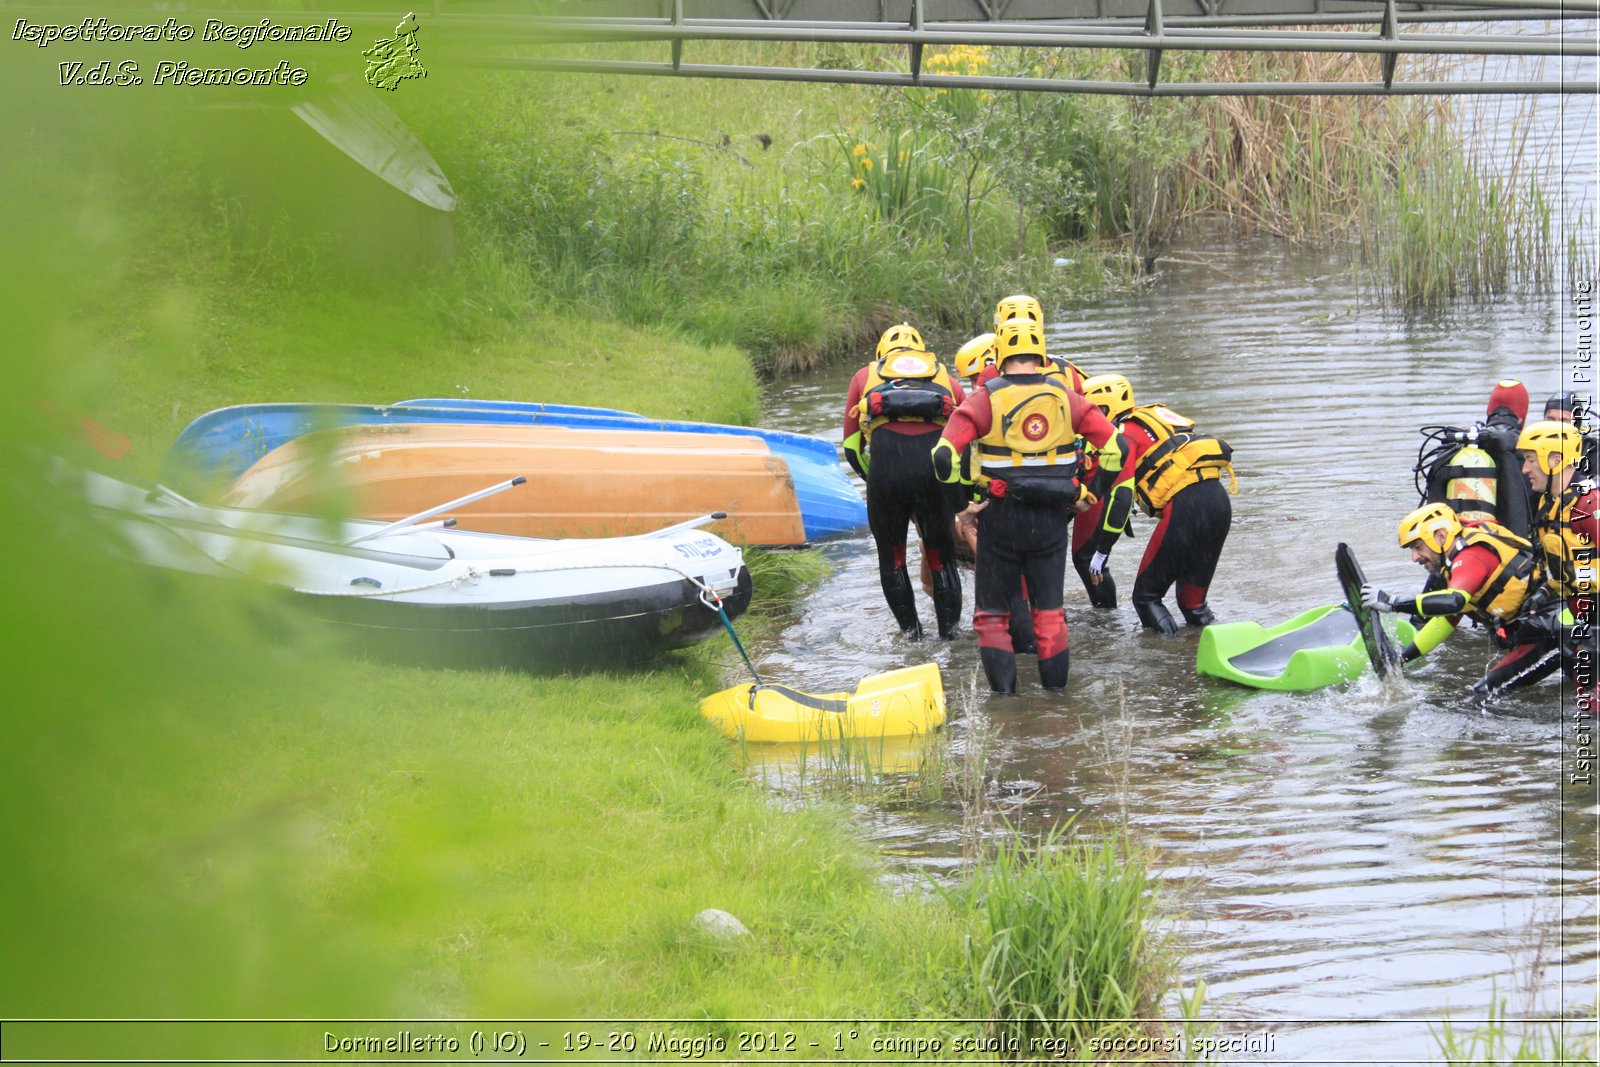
column 1369, row 852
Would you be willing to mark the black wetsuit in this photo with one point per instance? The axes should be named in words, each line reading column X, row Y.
column 1184, row 550
column 901, row 488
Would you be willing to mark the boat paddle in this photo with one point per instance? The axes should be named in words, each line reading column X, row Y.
column 423, row 516
column 1380, row 650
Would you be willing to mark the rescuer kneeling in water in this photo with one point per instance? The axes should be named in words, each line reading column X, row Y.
column 1486, row 572
column 1566, row 528
column 1024, row 427
column 1567, row 406
column 893, row 413
column 1175, row 474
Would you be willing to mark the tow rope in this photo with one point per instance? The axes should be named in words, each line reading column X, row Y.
column 710, row 599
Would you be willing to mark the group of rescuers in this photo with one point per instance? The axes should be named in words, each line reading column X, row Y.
column 1508, row 534
column 1036, row 461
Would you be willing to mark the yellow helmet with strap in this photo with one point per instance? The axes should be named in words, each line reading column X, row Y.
column 1426, row 523
column 976, row 354
column 1111, row 392
column 1020, row 306
column 1018, row 337
column 1555, row 445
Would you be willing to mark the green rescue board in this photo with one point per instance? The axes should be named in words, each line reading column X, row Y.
column 1317, row 648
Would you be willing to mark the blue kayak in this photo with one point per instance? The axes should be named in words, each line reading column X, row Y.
column 219, row 446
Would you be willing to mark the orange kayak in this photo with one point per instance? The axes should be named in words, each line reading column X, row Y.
column 581, row 483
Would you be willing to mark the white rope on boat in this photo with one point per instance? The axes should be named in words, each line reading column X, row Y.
column 469, row 578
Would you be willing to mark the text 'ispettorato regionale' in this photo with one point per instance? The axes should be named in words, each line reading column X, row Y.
column 96, row 30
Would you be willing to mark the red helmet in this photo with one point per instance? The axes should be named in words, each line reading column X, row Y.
column 1509, row 394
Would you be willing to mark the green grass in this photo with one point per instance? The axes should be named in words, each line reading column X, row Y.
column 1066, row 949
column 204, row 809
column 1504, row 1040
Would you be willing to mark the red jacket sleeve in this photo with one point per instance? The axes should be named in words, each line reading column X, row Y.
column 852, row 419
column 1585, row 520
column 970, row 421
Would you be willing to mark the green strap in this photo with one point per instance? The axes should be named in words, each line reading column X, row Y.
column 728, row 623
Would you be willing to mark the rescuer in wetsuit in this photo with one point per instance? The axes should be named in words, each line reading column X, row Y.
column 895, row 408
column 1087, row 511
column 1566, row 532
column 1023, row 306
column 975, row 364
column 1024, row 428
column 1486, row 572
column 1568, row 406
column 1175, row 474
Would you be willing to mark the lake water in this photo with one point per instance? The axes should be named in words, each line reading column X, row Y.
column 1354, row 864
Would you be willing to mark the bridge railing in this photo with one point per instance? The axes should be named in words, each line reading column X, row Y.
column 1384, row 28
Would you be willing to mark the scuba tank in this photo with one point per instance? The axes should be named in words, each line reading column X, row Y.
column 1476, row 471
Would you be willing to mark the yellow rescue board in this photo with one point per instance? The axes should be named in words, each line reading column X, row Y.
column 901, row 703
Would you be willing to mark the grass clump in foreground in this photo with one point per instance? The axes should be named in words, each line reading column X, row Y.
column 1066, row 958
column 1502, row 1040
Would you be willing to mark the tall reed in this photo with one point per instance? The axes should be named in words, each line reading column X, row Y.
column 1501, row 1039
column 1065, row 946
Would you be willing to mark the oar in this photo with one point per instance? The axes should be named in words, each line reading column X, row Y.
column 686, row 524
column 423, row 516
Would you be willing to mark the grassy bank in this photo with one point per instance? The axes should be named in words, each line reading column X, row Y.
column 795, row 221
column 204, row 811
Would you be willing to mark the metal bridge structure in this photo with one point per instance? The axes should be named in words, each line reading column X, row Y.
column 1553, row 42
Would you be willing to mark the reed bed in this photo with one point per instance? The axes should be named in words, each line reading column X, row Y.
column 1065, row 948
column 794, row 221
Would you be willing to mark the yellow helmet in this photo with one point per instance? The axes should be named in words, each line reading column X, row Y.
column 1018, row 337
column 1555, row 445
column 975, row 355
column 1428, row 520
column 1021, row 306
column 1111, row 392
column 896, row 338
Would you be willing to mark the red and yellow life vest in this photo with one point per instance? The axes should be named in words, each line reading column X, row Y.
column 905, row 386
column 1506, row 587
column 1031, row 443
column 1179, row 458
column 1566, row 553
